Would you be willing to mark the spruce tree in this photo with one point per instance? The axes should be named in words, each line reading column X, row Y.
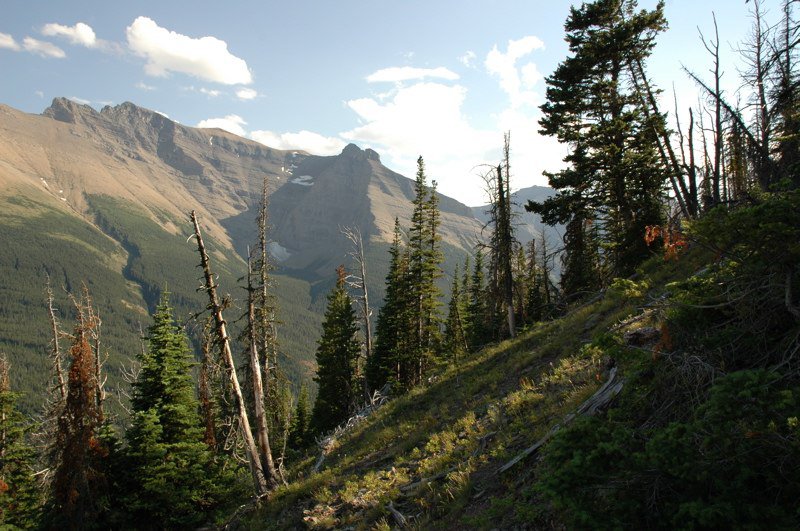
column 614, row 184
column 337, row 355
column 19, row 495
column 173, row 479
column 478, row 331
column 393, row 327
column 300, row 434
column 454, row 336
column 424, row 270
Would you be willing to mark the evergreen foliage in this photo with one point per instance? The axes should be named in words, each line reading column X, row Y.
column 614, row 183
column 19, row 494
column 424, row 269
column 337, row 355
column 477, row 318
column 173, row 480
column 393, row 327
column 300, row 435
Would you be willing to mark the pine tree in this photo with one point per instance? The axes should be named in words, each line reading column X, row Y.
column 19, row 495
column 337, row 354
column 478, row 331
column 300, row 435
column 615, row 181
column 393, row 327
column 173, row 479
column 424, row 270
column 454, row 336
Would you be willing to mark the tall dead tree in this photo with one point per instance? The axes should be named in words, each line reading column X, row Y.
column 505, row 237
column 262, row 430
column 223, row 339
column 55, row 350
column 359, row 283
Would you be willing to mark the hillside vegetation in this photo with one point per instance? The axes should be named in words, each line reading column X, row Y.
column 704, row 432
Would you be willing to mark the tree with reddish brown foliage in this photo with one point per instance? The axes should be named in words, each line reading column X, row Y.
column 79, row 456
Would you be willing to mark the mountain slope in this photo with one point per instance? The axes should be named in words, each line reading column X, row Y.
column 103, row 198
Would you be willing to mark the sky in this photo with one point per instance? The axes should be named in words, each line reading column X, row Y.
column 441, row 79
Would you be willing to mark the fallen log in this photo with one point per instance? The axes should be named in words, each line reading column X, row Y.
column 599, row 400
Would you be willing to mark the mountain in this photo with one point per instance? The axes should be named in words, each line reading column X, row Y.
column 102, row 198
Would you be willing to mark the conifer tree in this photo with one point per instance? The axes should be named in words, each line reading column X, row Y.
column 478, row 332
column 300, row 435
column 455, row 340
column 615, row 181
column 337, row 355
column 393, row 327
column 424, row 270
column 173, row 479
column 19, row 496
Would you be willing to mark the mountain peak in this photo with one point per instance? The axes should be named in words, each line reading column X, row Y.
column 355, row 152
column 128, row 112
column 67, row 110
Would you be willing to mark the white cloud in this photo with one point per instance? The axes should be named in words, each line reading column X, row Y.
column 406, row 73
column 81, row 34
column 304, row 140
column 42, row 48
column 167, row 51
column 79, row 100
column 211, row 93
column 515, row 82
column 428, row 119
column 39, row 94
column 8, row 42
column 144, row 86
column 233, row 123
column 468, row 58
column 246, row 94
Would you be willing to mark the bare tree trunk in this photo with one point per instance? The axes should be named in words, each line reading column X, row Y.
column 206, row 399
column 504, row 239
column 650, row 105
column 259, row 481
column 359, row 282
column 262, row 430
column 58, row 368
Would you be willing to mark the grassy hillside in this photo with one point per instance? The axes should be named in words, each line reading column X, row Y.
column 704, row 432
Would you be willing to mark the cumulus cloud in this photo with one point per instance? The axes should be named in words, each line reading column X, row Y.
column 81, row 34
column 167, row 51
column 233, row 123
column 516, row 82
column 211, row 93
column 8, row 42
column 42, row 48
column 303, row 140
column 144, row 86
column 246, row 94
column 407, row 73
column 428, row 119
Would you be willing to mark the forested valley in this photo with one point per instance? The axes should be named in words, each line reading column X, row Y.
column 644, row 373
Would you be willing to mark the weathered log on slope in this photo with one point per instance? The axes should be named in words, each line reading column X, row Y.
column 599, row 400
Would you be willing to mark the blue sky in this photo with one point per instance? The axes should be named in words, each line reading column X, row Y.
column 442, row 79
